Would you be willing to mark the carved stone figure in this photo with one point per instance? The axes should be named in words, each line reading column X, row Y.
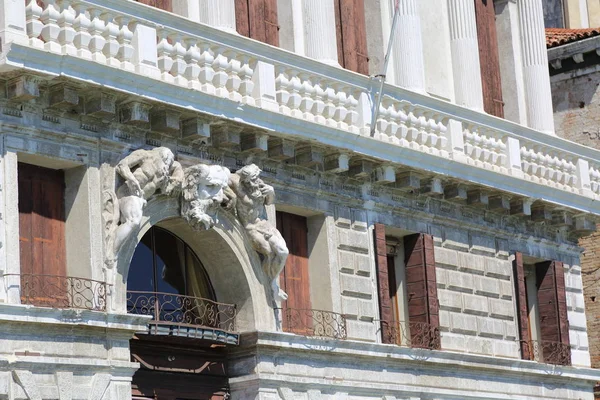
column 249, row 195
column 203, row 187
column 146, row 173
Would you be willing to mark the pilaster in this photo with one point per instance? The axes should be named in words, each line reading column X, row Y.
column 319, row 30
column 409, row 66
column 12, row 22
column 465, row 54
column 535, row 66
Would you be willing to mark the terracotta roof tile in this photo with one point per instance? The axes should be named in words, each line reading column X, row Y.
column 557, row 37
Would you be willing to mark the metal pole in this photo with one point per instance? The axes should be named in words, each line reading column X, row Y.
column 382, row 76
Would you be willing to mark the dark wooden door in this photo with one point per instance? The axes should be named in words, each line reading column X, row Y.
column 257, row 19
column 489, row 58
column 352, row 35
column 166, row 5
column 294, row 278
column 42, row 233
column 522, row 307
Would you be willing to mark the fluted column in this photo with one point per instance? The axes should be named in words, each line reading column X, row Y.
column 535, row 66
column 409, row 68
column 465, row 54
column 187, row 8
column 217, row 13
column 320, row 39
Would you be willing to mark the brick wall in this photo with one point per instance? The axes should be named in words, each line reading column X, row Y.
column 590, row 267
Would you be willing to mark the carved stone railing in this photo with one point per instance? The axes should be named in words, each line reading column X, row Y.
column 548, row 352
column 314, row 323
column 419, row 335
column 129, row 37
column 59, row 291
column 175, row 310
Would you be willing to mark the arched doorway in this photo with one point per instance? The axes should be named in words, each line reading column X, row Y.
column 182, row 355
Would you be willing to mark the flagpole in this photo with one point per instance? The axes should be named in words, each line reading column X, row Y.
column 382, row 76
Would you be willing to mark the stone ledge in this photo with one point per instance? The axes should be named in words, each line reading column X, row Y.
column 370, row 352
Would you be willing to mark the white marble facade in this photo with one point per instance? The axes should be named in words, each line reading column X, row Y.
column 148, row 112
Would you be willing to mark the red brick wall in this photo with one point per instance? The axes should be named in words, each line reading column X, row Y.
column 590, row 266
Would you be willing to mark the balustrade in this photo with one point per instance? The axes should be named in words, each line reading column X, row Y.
column 261, row 76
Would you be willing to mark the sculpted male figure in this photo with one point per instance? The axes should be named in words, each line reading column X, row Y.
column 203, row 194
column 146, row 172
column 251, row 196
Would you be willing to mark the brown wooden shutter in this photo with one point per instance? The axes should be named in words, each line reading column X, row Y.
column 554, row 323
column 257, row 19
column 294, row 278
column 386, row 310
column 41, row 233
column 352, row 35
column 421, row 285
column 522, row 308
column 489, row 57
column 166, row 5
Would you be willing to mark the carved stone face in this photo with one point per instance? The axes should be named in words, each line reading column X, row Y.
column 211, row 187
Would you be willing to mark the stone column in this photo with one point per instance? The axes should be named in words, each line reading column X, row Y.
column 535, row 66
column 409, row 67
column 320, row 39
column 465, row 54
column 187, row 8
column 217, row 13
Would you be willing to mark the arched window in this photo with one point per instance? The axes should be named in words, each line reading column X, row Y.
column 163, row 263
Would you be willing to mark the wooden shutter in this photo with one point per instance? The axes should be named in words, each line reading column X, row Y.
column 41, row 233
column 489, row 57
column 294, row 278
column 352, row 35
column 421, row 282
column 257, row 19
column 386, row 310
column 554, row 323
column 166, row 5
column 522, row 308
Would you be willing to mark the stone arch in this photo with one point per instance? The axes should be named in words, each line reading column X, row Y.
column 233, row 266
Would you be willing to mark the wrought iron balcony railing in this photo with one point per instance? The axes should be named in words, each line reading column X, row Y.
column 58, row 291
column 548, row 352
column 315, row 323
column 419, row 335
column 176, row 310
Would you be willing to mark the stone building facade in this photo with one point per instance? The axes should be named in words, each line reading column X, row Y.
column 571, row 14
column 198, row 201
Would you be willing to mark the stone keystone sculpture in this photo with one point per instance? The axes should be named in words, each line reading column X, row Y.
column 146, row 173
column 202, row 195
column 248, row 197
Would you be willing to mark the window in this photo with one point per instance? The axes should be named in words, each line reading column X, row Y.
column 166, row 5
column 257, row 19
column 407, row 289
column 351, row 35
column 542, row 310
column 489, row 57
column 294, row 279
column 42, row 234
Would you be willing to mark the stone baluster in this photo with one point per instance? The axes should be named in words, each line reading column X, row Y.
column 233, row 71
column 83, row 37
column 319, row 31
column 329, row 111
column 111, row 46
column 217, row 13
column 352, row 118
column 535, row 66
column 409, row 69
column 13, row 26
column 245, row 74
column 221, row 77
column 340, row 101
column 51, row 30
column 34, row 25
column 295, row 86
column 282, row 93
column 465, row 54
column 307, row 93
column 67, row 33
column 179, row 65
column 207, row 72
column 125, row 53
column 165, row 60
column 384, row 120
column 98, row 41
column 192, row 59
column 318, row 106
